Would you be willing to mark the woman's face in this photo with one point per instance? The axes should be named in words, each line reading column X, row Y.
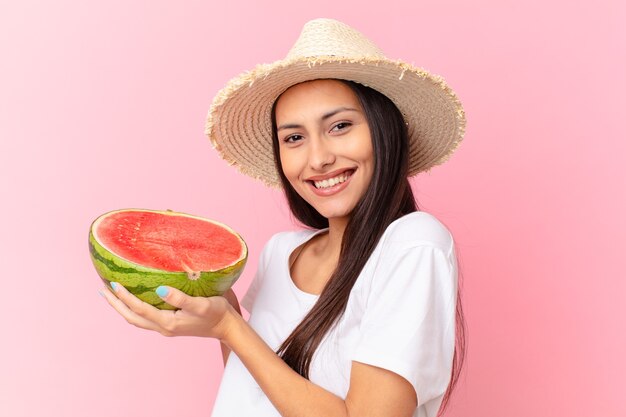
column 325, row 145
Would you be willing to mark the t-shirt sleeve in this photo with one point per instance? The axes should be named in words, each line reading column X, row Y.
column 248, row 299
column 409, row 320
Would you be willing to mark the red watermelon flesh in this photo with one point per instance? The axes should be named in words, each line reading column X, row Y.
column 169, row 243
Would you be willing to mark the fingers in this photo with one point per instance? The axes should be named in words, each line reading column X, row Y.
column 198, row 316
column 179, row 299
column 138, row 306
column 130, row 316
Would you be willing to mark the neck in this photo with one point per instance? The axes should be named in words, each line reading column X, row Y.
column 331, row 246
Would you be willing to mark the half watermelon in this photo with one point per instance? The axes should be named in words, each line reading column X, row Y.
column 143, row 249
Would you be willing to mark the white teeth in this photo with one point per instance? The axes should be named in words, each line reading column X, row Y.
column 331, row 181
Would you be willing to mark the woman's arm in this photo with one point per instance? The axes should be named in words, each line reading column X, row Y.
column 374, row 392
column 231, row 297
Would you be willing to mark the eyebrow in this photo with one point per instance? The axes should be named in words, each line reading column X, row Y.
column 324, row 117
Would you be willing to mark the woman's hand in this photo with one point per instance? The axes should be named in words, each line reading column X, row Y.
column 198, row 316
column 231, row 297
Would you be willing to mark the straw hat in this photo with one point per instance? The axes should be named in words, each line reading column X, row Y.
column 239, row 124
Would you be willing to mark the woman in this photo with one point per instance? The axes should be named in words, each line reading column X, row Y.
column 356, row 315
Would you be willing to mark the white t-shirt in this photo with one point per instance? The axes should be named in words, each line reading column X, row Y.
column 400, row 316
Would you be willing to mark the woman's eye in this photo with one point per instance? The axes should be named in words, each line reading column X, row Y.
column 292, row 138
column 341, row 126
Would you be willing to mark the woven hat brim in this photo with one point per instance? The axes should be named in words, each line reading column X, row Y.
column 240, row 128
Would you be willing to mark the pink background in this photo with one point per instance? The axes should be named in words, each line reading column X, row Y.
column 102, row 106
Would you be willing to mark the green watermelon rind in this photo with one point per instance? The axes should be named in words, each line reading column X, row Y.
column 142, row 281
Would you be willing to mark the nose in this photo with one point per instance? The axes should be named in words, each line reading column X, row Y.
column 320, row 154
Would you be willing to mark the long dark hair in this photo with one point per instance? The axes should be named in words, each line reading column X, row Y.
column 388, row 197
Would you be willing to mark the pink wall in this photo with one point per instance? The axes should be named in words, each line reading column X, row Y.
column 102, row 106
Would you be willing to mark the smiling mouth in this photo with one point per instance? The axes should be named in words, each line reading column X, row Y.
column 331, row 182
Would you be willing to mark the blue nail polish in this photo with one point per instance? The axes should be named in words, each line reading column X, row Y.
column 114, row 286
column 162, row 291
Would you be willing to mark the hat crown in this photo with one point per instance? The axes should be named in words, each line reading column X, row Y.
column 328, row 37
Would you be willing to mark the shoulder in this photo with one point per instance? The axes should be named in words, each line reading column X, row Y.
column 281, row 244
column 289, row 238
column 419, row 229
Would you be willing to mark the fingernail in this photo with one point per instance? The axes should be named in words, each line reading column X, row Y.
column 114, row 286
column 162, row 291
column 101, row 293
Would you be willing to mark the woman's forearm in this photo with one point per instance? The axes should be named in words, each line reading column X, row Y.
column 291, row 394
column 233, row 301
column 225, row 352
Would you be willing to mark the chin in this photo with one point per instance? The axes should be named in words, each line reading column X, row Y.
column 331, row 208
column 332, row 212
